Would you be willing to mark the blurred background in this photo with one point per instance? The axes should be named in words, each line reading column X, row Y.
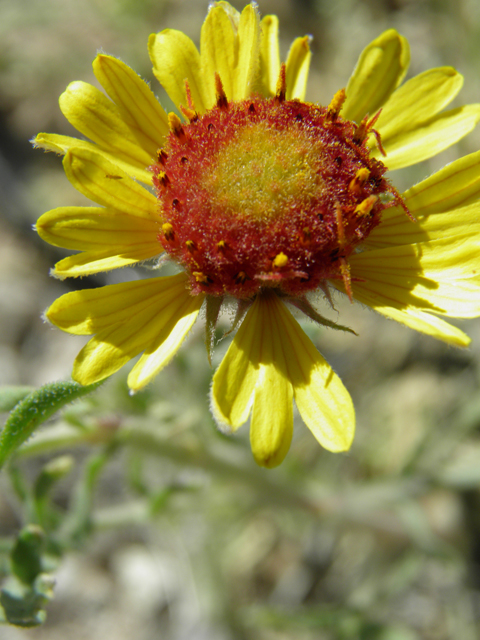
column 173, row 531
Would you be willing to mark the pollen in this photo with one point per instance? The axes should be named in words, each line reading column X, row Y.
column 280, row 260
column 359, row 180
column 366, row 206
column 201, row 277
column 267, row 193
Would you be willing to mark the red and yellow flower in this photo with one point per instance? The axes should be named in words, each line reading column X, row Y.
column 262, row 198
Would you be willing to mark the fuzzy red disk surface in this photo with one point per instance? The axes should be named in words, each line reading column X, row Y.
column 263, row 193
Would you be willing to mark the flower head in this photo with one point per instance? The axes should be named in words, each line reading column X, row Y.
column 261, row 198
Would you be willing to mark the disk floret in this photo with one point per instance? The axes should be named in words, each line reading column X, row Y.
column 268, row 193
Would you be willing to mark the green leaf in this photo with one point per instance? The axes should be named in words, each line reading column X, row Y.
column 10, row 396
column 26, row 555
column 24, row 606
column 34, row 409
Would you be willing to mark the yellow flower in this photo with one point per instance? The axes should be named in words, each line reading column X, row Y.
column 249, row 198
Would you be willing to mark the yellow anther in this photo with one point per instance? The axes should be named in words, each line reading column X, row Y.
column 364, row 208
column 280, row 260
column 336, row 104
column 221, row 246
column 359, row 180
column 168, row 231
column 201, row 277
column 191, row 245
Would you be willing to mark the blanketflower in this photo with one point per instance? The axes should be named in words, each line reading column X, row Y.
column 262, row 198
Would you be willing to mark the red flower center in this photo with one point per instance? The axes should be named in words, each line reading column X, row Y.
column 267, row 193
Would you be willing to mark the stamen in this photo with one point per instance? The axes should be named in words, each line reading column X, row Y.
column 347, row 282
column 281, row 88
column 190, row 114
column 307, row 235
column 189, row 111
column 201, row 277
column 280, row 260
column 241, row 277
column 336, row 105
column 222, row 102
column 162, row 157
column 191, row 245
column 190, row 102
column 364, row 208
column 163, row 179
column 365, row 128
column 221, row 246
column 340, row 229
column 359, row 180
column 168, row 231
column 176, row 128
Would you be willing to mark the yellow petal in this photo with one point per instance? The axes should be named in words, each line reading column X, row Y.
column 107, row 184
column 91, row 262
column 118, row 343
column 93, row 310
column 254, row 372
column 175, row 58
column 230, row 47
column 441, row 276
column 297, row 68
column 411, row 317
column 396, row 229
column 380, row 69
column 248, row 46
column 417, row 101
column 62, row 144
column 234, row 381
column 218, row 52
column 269, row 55
column 135, row 101
column 322, row 400
column 430, row 138
column 92, row 113
column 271, row 427
column 94, row 228
column 110, row 239
column 455, row 185
column 170, row 335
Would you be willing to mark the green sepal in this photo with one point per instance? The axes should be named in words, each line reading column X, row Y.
column 26, row 555
column 213, row 306
column 305, row 307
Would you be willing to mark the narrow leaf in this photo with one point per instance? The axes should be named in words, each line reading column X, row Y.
column 34, row 409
